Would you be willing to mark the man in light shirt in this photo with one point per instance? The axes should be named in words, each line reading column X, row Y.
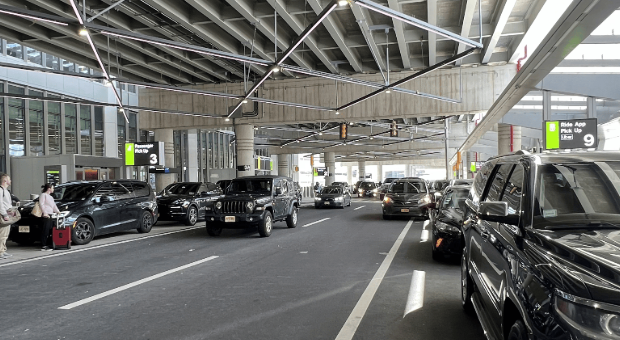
column 5, row 204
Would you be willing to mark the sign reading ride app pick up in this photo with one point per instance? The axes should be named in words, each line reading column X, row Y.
column 571, row 134
column 144, row 153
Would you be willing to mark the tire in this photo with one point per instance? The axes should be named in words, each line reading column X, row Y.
column 266, row 225
column 192, row 216
column 84, row 231
column 517, row 331
column 146, row 222
column 214, row 231
column 291, row 220
column 467, row 286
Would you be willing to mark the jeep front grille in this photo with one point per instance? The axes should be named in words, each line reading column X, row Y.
column 233, row 207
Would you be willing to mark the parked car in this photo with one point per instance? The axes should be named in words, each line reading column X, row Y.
column 367, row 189
column 93, row 208
column 186, row 201
column 254, row 201
column 333, row 196
column 447, row 237
column 439, row 186
column 541, row 257
column 404, row 199
column 223, row 184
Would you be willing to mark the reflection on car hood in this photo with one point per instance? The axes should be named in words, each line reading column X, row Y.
column 451, row 216
column 330, row 195
column 592, row 256
column 169, row 198
column 413, row 198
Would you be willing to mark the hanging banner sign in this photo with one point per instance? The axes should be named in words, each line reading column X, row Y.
column 139, row 154
column 571, row 134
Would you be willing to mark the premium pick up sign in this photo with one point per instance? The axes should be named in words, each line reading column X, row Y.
column 144, row 153
column 571, row 134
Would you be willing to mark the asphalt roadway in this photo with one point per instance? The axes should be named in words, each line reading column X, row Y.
column 341, row 274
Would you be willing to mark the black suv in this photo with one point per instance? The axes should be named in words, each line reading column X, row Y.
column 94, row 208
column 186, row 201
column 542, row 246
column 255, row 201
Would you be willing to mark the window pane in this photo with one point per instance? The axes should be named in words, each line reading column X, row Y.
column 225, row 151
column 232, row 155
column 34, row 56
column 14, row 50
column 85, row 125
column 499, row 181
column 514, row 190
column 53, row 127
column 2, row 152
column 67, row 66
column 131, row 88
column 36, row 124
column 52, row 62
column 82, row 69
column 210, row 148
column 120, row 123
column 99, row 146
column 221, row 151
column 16, row 123
column 132, row 135
column 71, row 128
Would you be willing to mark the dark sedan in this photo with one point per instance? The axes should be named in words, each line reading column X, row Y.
column 446, row 231
column 404, row 198
column 333, row 196
column 367, row 189
column 186, row 201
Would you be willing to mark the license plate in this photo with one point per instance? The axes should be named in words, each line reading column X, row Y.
column 229, row 219
column 24, row 228
column 404, row 210
column 326, row 203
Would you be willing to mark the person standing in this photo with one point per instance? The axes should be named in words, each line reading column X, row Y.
column 48, row 207
column 5, row 205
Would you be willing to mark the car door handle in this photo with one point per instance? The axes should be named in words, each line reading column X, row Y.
column 484, row 234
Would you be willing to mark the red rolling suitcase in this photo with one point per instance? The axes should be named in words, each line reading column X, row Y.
column 61, row 234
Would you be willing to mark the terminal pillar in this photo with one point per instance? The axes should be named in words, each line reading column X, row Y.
column 163, row 180
column 283, row 165
column 330, row 164
column 508, row 138
column 379, row 173
column 361, row 166
column 244, row 134
column 349, row 174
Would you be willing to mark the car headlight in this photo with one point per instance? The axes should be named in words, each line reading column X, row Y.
column 425, row 200
column 317, row 198
column 387, row 200
column 339, row 199
column 593, row 319
column 441, row 226
column 218, row 205
column 250, row 206
column 185, row 204
column 374, row 190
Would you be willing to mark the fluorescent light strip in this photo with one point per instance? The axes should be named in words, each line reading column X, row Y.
column 34, row 18
column 309, row 30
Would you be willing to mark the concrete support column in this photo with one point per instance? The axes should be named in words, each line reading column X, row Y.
column 379, row 173
column 350, row 174
column 408, row 170
column 163, row 180
column 330, row 164
column 245, row 148
column 283, row 165
column 192, row 161
column 508, row 138
column 361, row 166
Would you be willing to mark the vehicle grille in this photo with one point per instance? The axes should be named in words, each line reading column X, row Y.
column 233, row 207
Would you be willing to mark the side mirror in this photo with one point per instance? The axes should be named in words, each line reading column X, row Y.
column 496, row 212
column 278, row 191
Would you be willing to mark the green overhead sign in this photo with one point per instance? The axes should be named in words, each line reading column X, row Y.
column 144, row 153
column 571, row 134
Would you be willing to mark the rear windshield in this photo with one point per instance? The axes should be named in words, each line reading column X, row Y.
column 183, row 188
column 331, row 191
column 250, row 186
column 367, row 185
column 73, row 192
column 408, row 188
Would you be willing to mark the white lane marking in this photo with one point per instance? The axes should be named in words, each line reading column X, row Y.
column 359, row 207
column 424, row 237
column 426, row 224
column 72, row 251
column 133, row 284
column 315, row 222
column 350, row 326
column 303, row 252
column 415, row 300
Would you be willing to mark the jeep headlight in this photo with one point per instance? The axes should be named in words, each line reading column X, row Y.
column 250, row 206
column 218, row 205
column 595, row 320
column 441, row 226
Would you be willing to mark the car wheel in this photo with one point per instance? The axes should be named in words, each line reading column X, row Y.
column 291, row 220
column 265, row 226
column 517, row 331
column 467, row 286
column 192, row 216
column 83, row 232
column 214, row 231
column 146, row 222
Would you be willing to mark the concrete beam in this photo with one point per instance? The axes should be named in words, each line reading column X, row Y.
column 400, row 35
column 362, row 19
column 505, row 8
column 431, row 10
column 468, row 16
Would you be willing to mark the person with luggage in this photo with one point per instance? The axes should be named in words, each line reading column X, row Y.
column 5, row 205
column 48, row 207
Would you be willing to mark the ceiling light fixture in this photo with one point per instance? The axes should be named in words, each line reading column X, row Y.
column 227, row 119
column 245, row 101
column 33, row 18
column 342, row 3
column 83, row 31
column 337, row 112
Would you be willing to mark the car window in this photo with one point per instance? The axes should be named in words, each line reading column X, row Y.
column 499, row 181
column 453, row 198
column 480, row 181
column 408, row 187
column 141, row 189
column 332, row 191
column 263, row 186
column 367, row 185
column 76, row 192
column 122, row 190
column 183, row 188
column 514, row 190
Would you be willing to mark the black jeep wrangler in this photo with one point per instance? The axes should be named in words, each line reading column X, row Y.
column 254, row 201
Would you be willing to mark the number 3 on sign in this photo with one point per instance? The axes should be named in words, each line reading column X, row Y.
column 153, row 159
column 588, row 140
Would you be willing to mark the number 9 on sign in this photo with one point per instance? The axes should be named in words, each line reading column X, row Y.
column 153, row 159
column 588, row 140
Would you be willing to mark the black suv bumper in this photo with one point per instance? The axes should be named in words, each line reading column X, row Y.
column 240, row 220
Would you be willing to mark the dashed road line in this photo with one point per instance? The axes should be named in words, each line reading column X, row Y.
column 415, row 300
column 350, row 327
column 315, row 222
column 133, row 284
column 424, row 237
column 360, row 207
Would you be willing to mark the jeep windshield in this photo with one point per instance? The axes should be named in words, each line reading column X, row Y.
column 182, row 189
column 73, row 192
column 331, row 191
column 254, row 186
column 407, row 188
column 577, row 195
